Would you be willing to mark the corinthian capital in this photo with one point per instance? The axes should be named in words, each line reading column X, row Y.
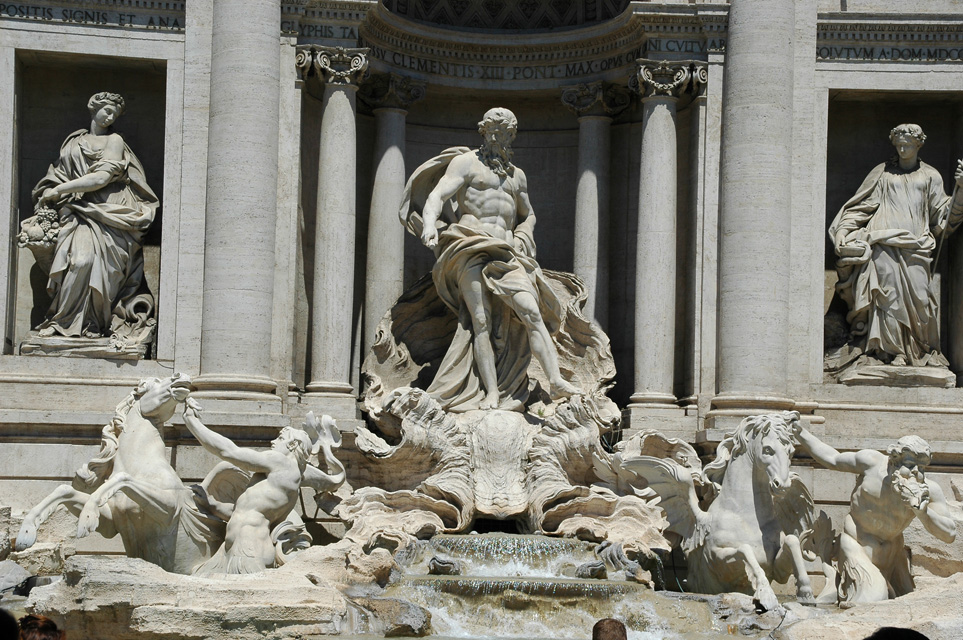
column 333, row 65
column 595, row 99
column 391, row 90
column 672, row 78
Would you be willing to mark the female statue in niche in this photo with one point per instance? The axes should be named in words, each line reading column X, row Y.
column 97, row 201
column 885, row 238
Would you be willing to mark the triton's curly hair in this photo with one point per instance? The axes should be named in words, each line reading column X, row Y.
column 913, row 130
column 911, row 444
column 103, row 98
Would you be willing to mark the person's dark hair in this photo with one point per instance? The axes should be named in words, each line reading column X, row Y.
column 8, row 625
column 895, row 633
column 608, row 629
column 39, row 628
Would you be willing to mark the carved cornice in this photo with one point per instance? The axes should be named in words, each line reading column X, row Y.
column 666, row 78
column 391, row 91
column 596, row 99
column 332, row 65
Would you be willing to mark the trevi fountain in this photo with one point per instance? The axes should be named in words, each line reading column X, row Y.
column 482, row 319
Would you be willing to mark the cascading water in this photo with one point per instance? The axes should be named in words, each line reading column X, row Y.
column 514, row 586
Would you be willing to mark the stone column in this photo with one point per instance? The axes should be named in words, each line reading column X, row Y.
column 595, row 104
column 334, row 246
column 755, row 209
column 661, row 85
column 242, row 173
column 389, row 95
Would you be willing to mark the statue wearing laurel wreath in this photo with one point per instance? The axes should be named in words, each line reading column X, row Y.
column 92, row 210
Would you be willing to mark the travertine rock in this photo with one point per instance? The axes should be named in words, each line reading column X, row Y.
column 129, row 598
column 397, row 617
column 933, row 610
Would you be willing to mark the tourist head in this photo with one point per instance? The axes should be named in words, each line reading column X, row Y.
column 8, row 625
column 608, row 629
column 39, row 628
column 895, row 633
column 106, row 107
column 907, row 138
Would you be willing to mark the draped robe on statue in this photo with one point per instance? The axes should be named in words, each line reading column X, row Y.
column 888, row 287
column 98, row 264
column 506, row 271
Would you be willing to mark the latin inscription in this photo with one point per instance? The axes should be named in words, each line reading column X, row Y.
column 671, row 45
column 910, row 53
column 511, row 72
column 90, row 16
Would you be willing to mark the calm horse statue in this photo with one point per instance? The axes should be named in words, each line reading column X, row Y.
column 750, row 533
column 131, row 489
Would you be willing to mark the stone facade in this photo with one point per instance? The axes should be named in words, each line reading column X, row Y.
column 695, row 208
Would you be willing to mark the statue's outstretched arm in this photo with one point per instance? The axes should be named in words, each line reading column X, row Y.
column 222, row 447
column 850, row 462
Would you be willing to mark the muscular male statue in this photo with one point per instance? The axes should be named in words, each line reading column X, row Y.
column 890, row 491
column 272, row 492
column 486, row 273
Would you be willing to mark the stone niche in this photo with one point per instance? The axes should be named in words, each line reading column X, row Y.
column 53, row 90
column 857, row 140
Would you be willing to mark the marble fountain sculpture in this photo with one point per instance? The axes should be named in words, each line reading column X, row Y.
column 887, row 239
column 485, row 400
column 92, row 210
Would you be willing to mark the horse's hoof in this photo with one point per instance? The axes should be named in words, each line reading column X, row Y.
column 26, row 537
column 768, row 602
column 87, row 523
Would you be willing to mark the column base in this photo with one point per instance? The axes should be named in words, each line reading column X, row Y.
column 336, row 399
column 728, row 410
column 227, row 393
column 658, row 411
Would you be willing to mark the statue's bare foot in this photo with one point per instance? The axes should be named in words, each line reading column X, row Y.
column 899, row 361
column 490, row 401
column 563, row 389
column 91, row 334
column 46, row 332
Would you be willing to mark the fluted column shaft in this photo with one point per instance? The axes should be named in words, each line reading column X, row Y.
column 334, row 247
column 595, row 105
column 655, row 289
column 755, row 206
column 241, row 198
column 390, row 96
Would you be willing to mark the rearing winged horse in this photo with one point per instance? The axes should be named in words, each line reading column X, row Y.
column 750, row 532
column 131, row 489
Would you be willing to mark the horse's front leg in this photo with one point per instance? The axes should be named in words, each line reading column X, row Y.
column 790, row 558
column 64, row 495
column 155, row 502
column 763, row 594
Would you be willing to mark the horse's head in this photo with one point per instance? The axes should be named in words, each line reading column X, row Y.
column 768, row 441
column 772, row 447
column 158, row 397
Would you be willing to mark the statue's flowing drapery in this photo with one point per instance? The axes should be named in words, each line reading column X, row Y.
column 888, row 287
column 98, row 265
column 507, row 270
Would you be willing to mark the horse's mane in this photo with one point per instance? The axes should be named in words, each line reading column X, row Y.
column 99, row 468
column 737, row 442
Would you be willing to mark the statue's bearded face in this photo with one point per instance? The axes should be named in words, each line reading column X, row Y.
column 496, row 150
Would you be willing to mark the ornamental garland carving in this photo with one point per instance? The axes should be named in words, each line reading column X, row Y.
column 667, row 78
column 596, row 99
column 392, row 91
column 333, row 65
